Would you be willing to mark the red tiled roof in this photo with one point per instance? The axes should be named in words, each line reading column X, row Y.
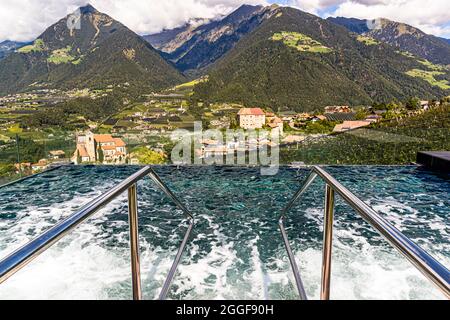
column 82, row 151
column 251, row 112
column 320, row 117
column 277, row 120
column 103, row 138
column 350, row 125
column 119, row 142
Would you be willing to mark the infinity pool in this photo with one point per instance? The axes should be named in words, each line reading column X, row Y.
column 236, row 251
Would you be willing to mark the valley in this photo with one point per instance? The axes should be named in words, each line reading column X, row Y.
column 291, row 65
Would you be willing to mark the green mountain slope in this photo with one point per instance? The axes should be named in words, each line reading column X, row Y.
column 303, row 62
column 195, row 47
column 401, row 36
column 101, row 52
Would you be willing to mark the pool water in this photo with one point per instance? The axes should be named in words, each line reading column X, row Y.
column 236, row 250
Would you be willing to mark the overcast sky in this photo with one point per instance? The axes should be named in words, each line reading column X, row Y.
column 24, row 20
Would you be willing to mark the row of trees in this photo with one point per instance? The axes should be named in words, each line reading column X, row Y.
column 412, row 104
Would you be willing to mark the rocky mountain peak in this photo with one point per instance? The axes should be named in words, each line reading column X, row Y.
column 87, row 9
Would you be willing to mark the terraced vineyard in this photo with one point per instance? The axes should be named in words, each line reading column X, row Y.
column 395, row 142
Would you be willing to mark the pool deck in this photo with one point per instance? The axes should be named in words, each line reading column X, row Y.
column 435, row 160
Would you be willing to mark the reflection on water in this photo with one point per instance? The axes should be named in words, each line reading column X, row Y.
column 236, row 251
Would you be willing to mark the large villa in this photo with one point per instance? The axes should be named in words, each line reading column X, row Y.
column 251, row 118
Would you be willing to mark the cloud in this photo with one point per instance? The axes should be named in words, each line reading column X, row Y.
column 431, row 16
column 315, row 6
column 24, row 20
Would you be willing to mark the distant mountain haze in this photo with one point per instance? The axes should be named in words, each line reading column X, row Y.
column 7, row 47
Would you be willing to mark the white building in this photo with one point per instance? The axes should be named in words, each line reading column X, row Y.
column 251, row 118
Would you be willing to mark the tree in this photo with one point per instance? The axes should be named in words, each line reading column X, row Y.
column 320, row 127
column 147, row 156
column 6, row 169
column 413, row 104
column 234, row 123
column 30, row 151
column 394, row 106
column 379, row 106
column 361, row 114
column 100, row 155
column 79, row 160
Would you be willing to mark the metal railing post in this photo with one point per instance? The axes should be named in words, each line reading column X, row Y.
column 189, row 217
column 25, row 254
column 298, row 279
column 327, row 243
column 134, row 242
column 430, row 267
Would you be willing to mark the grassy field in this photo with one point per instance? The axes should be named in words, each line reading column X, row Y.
column 406, row 54
column 367, row 40
column 37, row 46
column 78, row 61
column 190, row 84
column 429, row 76
column 300, row 42
column 431, row 65
column 61, row 56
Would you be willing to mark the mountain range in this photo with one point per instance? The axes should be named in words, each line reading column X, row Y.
column 194, row 47
column 272, row 56
column 97, row 53
column 7, row 47
column 402, row 36
column 299, row 61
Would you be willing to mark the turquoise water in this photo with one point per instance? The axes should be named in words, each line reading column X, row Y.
column 236, row 251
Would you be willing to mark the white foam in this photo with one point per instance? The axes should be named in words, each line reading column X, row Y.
column 82, row 267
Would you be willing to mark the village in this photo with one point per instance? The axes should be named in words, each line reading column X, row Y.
column 124, row 138
column 140, row 132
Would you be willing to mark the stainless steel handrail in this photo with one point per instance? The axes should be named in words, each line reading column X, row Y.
column 190, row 218
column 298, row 194
column 424, row 262
column 24, row 255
